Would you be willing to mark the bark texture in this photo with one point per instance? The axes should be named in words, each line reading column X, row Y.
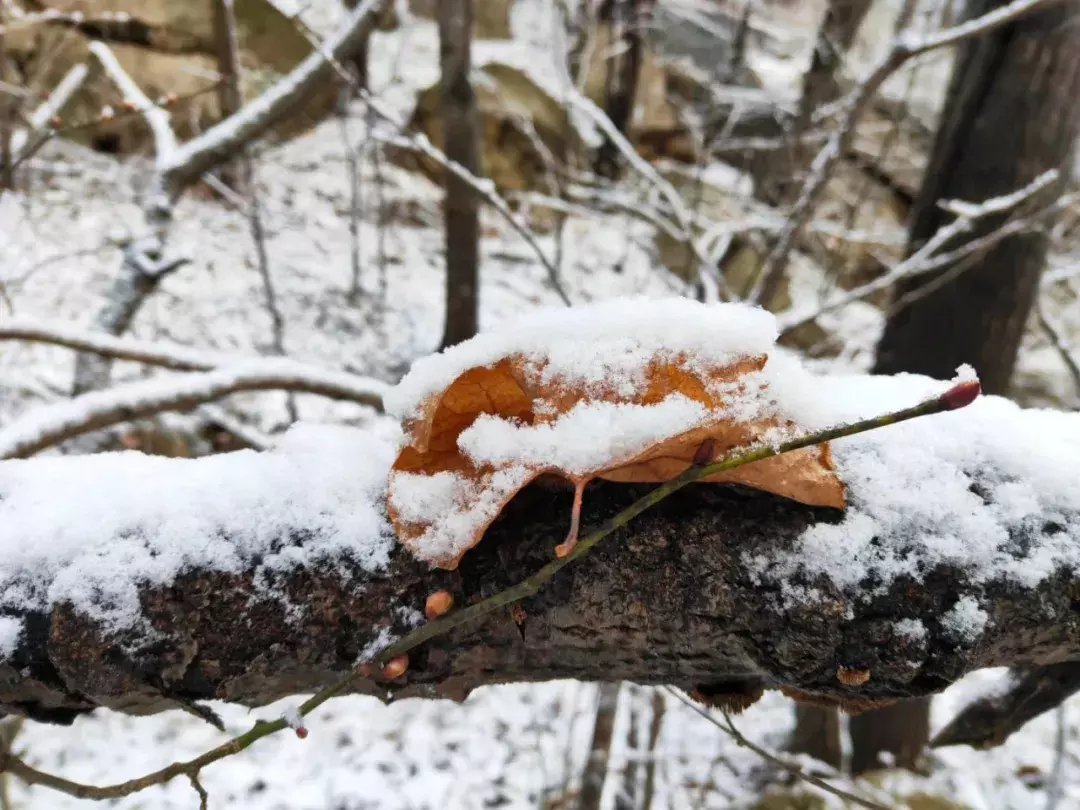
column 669, row 599
column 461, row 143
column 1010, row 115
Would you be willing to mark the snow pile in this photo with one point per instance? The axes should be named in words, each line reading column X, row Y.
column 607, row 345
column 91, row 530
column 587, row 437
column 990, row 489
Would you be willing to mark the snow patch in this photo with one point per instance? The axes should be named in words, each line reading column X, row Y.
column 588, row 437
column 966, row 620
column 11, row 630
column 979, row 489
column 609, row 344
column 120, row 521
column 910, row 629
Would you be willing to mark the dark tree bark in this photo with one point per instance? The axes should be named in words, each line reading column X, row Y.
column 461, row 142
column 8, row 109
column 628, row 18
column 821, row 83
column 989, row 720
column 668, row 599
column 1010, row 115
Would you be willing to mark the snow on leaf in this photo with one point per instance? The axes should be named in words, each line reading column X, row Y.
column 628, row 391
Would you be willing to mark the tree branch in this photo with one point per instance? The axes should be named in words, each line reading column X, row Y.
column 225, row 139
column 53, row 424
column 904, row 48
column 989, row 720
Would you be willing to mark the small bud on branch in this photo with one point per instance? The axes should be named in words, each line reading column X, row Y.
column 438, row 604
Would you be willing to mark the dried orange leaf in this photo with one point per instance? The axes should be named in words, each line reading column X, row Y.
column 632, row 392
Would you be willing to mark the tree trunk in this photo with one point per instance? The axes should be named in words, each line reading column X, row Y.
column 1010, row 115
column 596, row 766
column 8, row 107
column 631, row 609
column 817, row 734
column 230, row 97
column 651, row 752
column 461, row 128
column 901, row 732
column 779, row 174
column 629, row 17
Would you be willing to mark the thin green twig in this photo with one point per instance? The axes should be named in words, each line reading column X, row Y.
column 956, row 397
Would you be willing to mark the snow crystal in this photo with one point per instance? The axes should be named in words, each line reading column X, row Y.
column 382, row 640
column 11, row 630
column 910, row 629
column 966, row 620
column 91, row 530
column 610, row 343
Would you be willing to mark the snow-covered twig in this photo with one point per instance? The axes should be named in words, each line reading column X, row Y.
column 793, row 768
column 48, row 426
column 710, row 274
column 249, row 435
column 418, row 142
column 156, row 117
column 928, row 258
column 44, row 113
column 1054, row 335
column 165, row 355
column 226, row 138
column 904, row 48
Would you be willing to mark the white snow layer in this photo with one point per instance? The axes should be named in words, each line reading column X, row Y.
column 90, row 530
column 990, row 489
column 608, row 344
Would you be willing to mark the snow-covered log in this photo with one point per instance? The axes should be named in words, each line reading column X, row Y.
column 142, row 583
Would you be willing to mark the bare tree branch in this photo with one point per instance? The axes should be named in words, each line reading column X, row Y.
column 988, row 721
column 904, row 48
column 156, row 117
column 225, row 139
column 48, row 426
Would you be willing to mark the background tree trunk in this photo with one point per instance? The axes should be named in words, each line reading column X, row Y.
column 629, row 18
column 230, row 97
column 461, row 127
column 1010, row 115
column 8, row 108
column 900, row 731
column 817, row 734
column 596, row 766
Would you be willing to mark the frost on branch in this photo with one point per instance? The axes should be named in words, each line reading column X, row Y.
column 631, row 391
